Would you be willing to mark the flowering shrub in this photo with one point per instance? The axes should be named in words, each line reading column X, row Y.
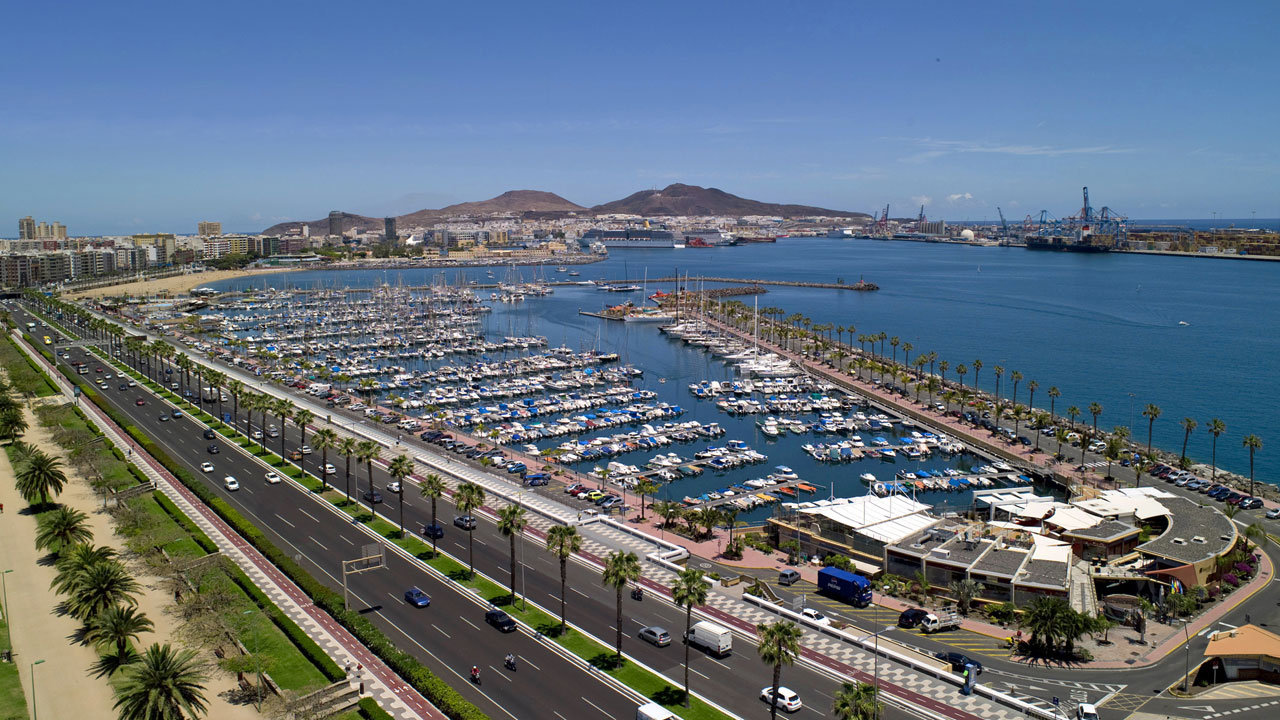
column 1231, row 579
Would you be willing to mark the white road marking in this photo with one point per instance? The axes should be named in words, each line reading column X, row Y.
column 317, row 542
column 597, row 707
column 304, row 512
column 526, row 661
column 286, row 522
column 437, row 627
column 477, row 627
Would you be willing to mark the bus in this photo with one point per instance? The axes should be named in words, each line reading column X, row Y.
column 31, row 326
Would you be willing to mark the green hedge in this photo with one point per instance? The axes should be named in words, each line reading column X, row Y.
column 181, row 518
column 300, row 639
column 370, row 710
column 438, row 692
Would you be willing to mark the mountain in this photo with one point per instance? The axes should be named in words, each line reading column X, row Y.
column 512, row 201
column 520, row 202
column 679, row 199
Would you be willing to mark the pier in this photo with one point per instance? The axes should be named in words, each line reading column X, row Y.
column 861, row 285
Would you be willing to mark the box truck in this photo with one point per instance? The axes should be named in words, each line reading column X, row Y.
column 844, row 585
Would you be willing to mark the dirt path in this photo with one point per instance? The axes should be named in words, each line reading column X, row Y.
column 40, row 634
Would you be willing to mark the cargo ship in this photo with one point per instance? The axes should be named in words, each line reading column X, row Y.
column 1060, row 243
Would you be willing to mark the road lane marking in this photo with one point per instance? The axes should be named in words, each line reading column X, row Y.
column 317, row 542
column 304, row 512
column 526, row 661
column 477, row 627
column 597, row 707
column 447, row 636
column 581, row 593
column 286, row 522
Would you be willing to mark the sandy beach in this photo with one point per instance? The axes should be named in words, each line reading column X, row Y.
column 175, row 285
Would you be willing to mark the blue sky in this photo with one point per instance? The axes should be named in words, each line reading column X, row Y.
column 124, row 117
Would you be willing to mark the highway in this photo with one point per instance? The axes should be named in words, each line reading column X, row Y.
column 450, row 635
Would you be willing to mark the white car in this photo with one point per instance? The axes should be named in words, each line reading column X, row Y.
column 273, row 478
column 305, row 449
column 206, row 467
column 1086, row 711
column 133, row 384
column 393, row 486
column 815, row 617
column 230, row 483
column 256, row 434
column 329, row 469
column 787, row 700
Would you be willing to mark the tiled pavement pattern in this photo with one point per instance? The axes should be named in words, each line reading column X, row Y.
column 379, row 681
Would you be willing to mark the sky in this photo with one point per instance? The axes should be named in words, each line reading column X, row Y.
column 137, row 117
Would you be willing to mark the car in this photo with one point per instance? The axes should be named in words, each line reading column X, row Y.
column 787, row 700
column 500, row 620
column 433, row 531
column 958, row 661
column 1220, row 492
column 172, row 386
column 139, row 402
column 97, row 370
column 329, row 469
column 1236, row 498
column 372, row 496
column 164, row 418
column 815, row 617
column 912, row 618
column 206, row 467
column 466, row 522
column 273, row 433
column 609, row 501
column 1086, row 711
column 1273, row 513
column 177, row 414
column 256, row 435
column 132, row 384
column 1250, row 503
column 208, row 434
column 295, row 455
column 272, row 478
column 1182, row 481
column 123, row 386
column 655, row 635
column 230, row 483
column 415, row 597
column 108, row 376
column 213, row 449
column 595, row 495
column 305, row 449
column 393, row 486
column 1195, row 484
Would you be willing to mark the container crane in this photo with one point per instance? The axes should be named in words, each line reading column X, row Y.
column 1004, row 226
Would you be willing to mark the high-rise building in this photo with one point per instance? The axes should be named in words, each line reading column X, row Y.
column 59, row 231
column 27, row 228
column 389, row 228
column 209, row 229
column 336, row 223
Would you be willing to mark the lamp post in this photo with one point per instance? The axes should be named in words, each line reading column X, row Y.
column 5, row 589
column 524, row 589
column 1186, row 663
column 33, row 688
column 257, row 664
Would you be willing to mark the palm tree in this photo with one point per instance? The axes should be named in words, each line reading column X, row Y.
column 1016, row 377
column 894, row 342
column 1216, row 428
column 1188, row 425
column 961, row 371
column 511, row 522
column 346, row 447
column 61, row 529
column 563, row 541
column 469, row 497
column 99, row 587
column 977, row 368
column 859, row 701
column 432, row 486
column 1151, row 412
column 1073, row 412
column 1095, row 409
column 645, row 488
column 965, row 591
column 366, row 451
column 284, row 411
column 325, row 438
column 779, row 644
column 12, row 422
column 302, row 418
column 39, row 477
column 1054, row 394
column 1032, row 387
column 400, row 468
column 72, row 563
column 116, row 626
column 689, row 590
column 237, row 389
column 1254, row 443
column 163, row 685
column 621, row 568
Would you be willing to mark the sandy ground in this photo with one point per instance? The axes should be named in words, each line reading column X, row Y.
column 175, row 285
column 39, row 634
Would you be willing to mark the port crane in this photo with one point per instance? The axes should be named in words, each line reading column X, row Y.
column 1004, row 226
column 1105, row 224
column 882, row 225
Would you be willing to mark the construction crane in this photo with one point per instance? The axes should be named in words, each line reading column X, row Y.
column 921, row 219
column 882, row 225
column 1004, row 226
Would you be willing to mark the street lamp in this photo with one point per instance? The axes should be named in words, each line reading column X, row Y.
column 1186, row 663
column 257, row 664
column 33, row 688
column 5, row 589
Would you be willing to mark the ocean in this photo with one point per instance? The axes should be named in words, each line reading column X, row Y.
column 1196, row 337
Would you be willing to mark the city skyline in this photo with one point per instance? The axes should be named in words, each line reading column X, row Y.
column 842, row 107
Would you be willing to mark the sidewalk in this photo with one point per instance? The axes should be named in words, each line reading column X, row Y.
column 384, row 685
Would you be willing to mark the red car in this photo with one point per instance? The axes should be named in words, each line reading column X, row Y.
column 140, row 402
column 97, row 370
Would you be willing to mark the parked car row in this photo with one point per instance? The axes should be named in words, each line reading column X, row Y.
column 1222, row 493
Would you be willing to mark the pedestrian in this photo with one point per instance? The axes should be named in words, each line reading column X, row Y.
column 1, row 508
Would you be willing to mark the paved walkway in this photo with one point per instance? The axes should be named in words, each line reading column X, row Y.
column 381, row 683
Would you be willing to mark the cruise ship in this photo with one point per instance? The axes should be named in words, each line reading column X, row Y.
column 708, row 237
column 633, row 237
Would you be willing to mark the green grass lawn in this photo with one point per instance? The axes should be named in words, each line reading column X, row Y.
column 13, row 704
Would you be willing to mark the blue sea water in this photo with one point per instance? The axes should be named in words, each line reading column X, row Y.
column 1198, row 337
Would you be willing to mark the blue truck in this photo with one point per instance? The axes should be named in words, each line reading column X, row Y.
column 845, row 586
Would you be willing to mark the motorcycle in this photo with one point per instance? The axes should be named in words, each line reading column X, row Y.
column 510, row 663
column 637, row 594
column 475, row 675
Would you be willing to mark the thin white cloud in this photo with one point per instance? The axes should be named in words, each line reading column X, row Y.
column 921, row 200
column 955, row 197
column 934, row 148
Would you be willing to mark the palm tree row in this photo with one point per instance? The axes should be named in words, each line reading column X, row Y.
column 775, row 325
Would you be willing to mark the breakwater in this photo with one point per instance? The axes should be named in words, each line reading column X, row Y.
column 861, row 285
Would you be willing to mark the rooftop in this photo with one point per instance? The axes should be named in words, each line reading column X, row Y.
column 886, row 519
column 1196, row 532
column 1107, row 530
column 1000, row 561
column 1045, row 573
column 1244, row 640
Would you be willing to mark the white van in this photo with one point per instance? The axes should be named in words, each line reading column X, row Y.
column 654, row 711
column 715, row 639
